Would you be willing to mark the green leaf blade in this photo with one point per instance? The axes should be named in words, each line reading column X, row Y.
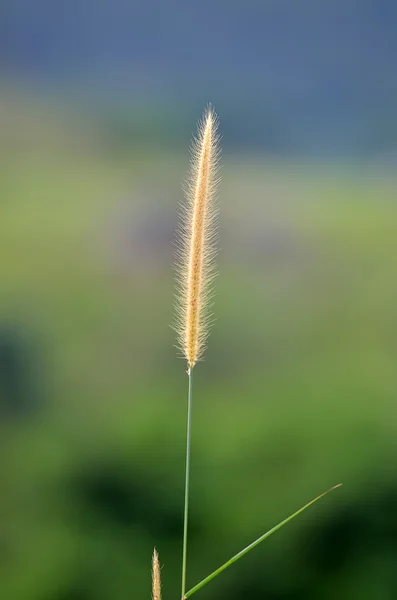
column 254, row 544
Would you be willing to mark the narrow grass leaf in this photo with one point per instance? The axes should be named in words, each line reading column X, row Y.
column 250, row 547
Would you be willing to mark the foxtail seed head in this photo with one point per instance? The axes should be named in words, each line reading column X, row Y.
column 197, row 242
column 156, row 582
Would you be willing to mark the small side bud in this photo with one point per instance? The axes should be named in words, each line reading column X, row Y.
column 156, row 582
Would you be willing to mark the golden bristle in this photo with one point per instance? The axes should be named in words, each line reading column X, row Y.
column 156, row 582
column 197, row 242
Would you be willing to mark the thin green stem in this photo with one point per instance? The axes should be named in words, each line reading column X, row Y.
column 240, row 554
column 187, row 478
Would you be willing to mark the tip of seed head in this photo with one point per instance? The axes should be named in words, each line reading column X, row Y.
column 156, row 582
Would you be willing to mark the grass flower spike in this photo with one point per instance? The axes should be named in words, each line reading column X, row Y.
column 156, row 582
column 197, row 244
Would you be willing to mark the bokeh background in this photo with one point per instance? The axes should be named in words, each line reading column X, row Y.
column 298, row 391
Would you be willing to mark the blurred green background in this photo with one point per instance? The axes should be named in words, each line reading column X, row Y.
column 298, row 388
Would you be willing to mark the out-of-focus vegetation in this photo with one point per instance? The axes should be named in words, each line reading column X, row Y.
column 310, row 77
column 298, row 390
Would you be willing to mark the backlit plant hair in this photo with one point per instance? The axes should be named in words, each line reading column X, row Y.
column 197, row 242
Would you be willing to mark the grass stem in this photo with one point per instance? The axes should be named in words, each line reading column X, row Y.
column 187, row 479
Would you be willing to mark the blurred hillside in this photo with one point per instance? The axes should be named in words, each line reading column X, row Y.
column 309, row 77
column 297, row 392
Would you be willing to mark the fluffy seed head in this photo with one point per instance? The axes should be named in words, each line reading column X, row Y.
column 156, row 582
column 197, row 242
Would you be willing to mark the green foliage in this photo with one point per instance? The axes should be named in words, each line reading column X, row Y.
column 92, row 479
